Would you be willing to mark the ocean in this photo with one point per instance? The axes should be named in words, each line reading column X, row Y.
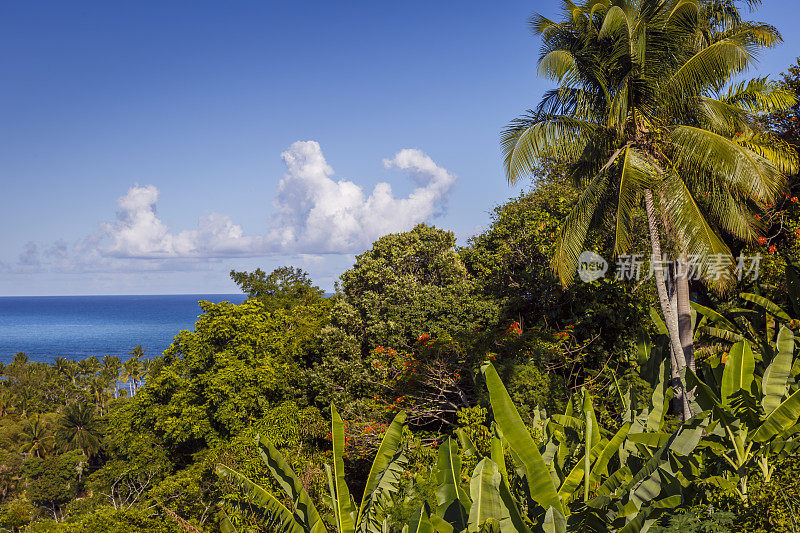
column 46, row 327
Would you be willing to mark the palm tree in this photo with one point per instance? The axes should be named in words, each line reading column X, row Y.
column 111, row 371
column 132, row 369
column 79, row 428
column 60, row 366
column 6, row 403
column 98, row 389
column 35, row 437
column 645, row 114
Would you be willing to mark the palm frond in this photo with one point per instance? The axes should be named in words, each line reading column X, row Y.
column 531, row 139
column 712, row 66
column 694, row 232
column 573, row 232
column 705, row 152
column 558, row 65
column 635, row 176
column 760, row 95
column 772, row 148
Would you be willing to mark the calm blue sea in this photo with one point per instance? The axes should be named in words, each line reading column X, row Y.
column 45, row 327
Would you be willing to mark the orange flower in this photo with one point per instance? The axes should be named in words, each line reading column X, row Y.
column 762, row 240
column 794, row 199
column 773, row 249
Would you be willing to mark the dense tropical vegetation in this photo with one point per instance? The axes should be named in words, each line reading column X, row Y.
column 481, row 388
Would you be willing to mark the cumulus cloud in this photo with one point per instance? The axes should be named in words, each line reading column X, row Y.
column 138, row 232
column 312, row 214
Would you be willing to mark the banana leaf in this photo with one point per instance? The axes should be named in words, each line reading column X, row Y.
column 540, row 484
column 278, row 514
column 781, row 419
column 776, row 377
column 454, row 503
column 384, row 475
column 343, row 502
column 738, row 373
column 487, row 504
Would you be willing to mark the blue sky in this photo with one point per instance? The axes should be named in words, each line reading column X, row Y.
column 151, row 146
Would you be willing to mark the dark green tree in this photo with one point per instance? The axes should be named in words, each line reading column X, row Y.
column 282, row 288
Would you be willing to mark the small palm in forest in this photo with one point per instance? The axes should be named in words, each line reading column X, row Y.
column 79, row 429
column 35, row 438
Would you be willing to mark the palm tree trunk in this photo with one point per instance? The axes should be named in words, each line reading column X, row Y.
column 685, row 311
column 677, row 360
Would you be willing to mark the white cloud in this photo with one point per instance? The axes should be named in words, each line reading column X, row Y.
column 315, row 214
column 312, row 214
column 138, row 232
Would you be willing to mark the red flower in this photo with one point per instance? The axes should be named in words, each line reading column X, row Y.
column 773, row 249
column 423, row 339
column 762, row 240
column 794, row 199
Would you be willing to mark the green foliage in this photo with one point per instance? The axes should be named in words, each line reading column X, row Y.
column 407, row 284
column 568, row 336
column 282, row 288
column 16, row 513
column 110, row 520
column 301, row 514
column 55, row 481
column 238, row 362
column 79, row 429
column 696, row 521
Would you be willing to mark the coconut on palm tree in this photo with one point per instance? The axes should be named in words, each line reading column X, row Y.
column 648, row 113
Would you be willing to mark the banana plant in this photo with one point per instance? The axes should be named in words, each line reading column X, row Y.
column 622, row 479
column 301, row 515
column 584, row 478
column 753, row 417
column 758, row 324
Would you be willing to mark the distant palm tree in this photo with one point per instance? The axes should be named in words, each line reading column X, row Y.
column 20, row 359
column 6, row 403
column 71, row 370
column 60, row 365
column 642, row 116
column 35, row 438
column 79, row 428
column 24, row 398
column 98, row 389
column 111, row 371
column 137, row 352
column 93, row 364
column 132, row 369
